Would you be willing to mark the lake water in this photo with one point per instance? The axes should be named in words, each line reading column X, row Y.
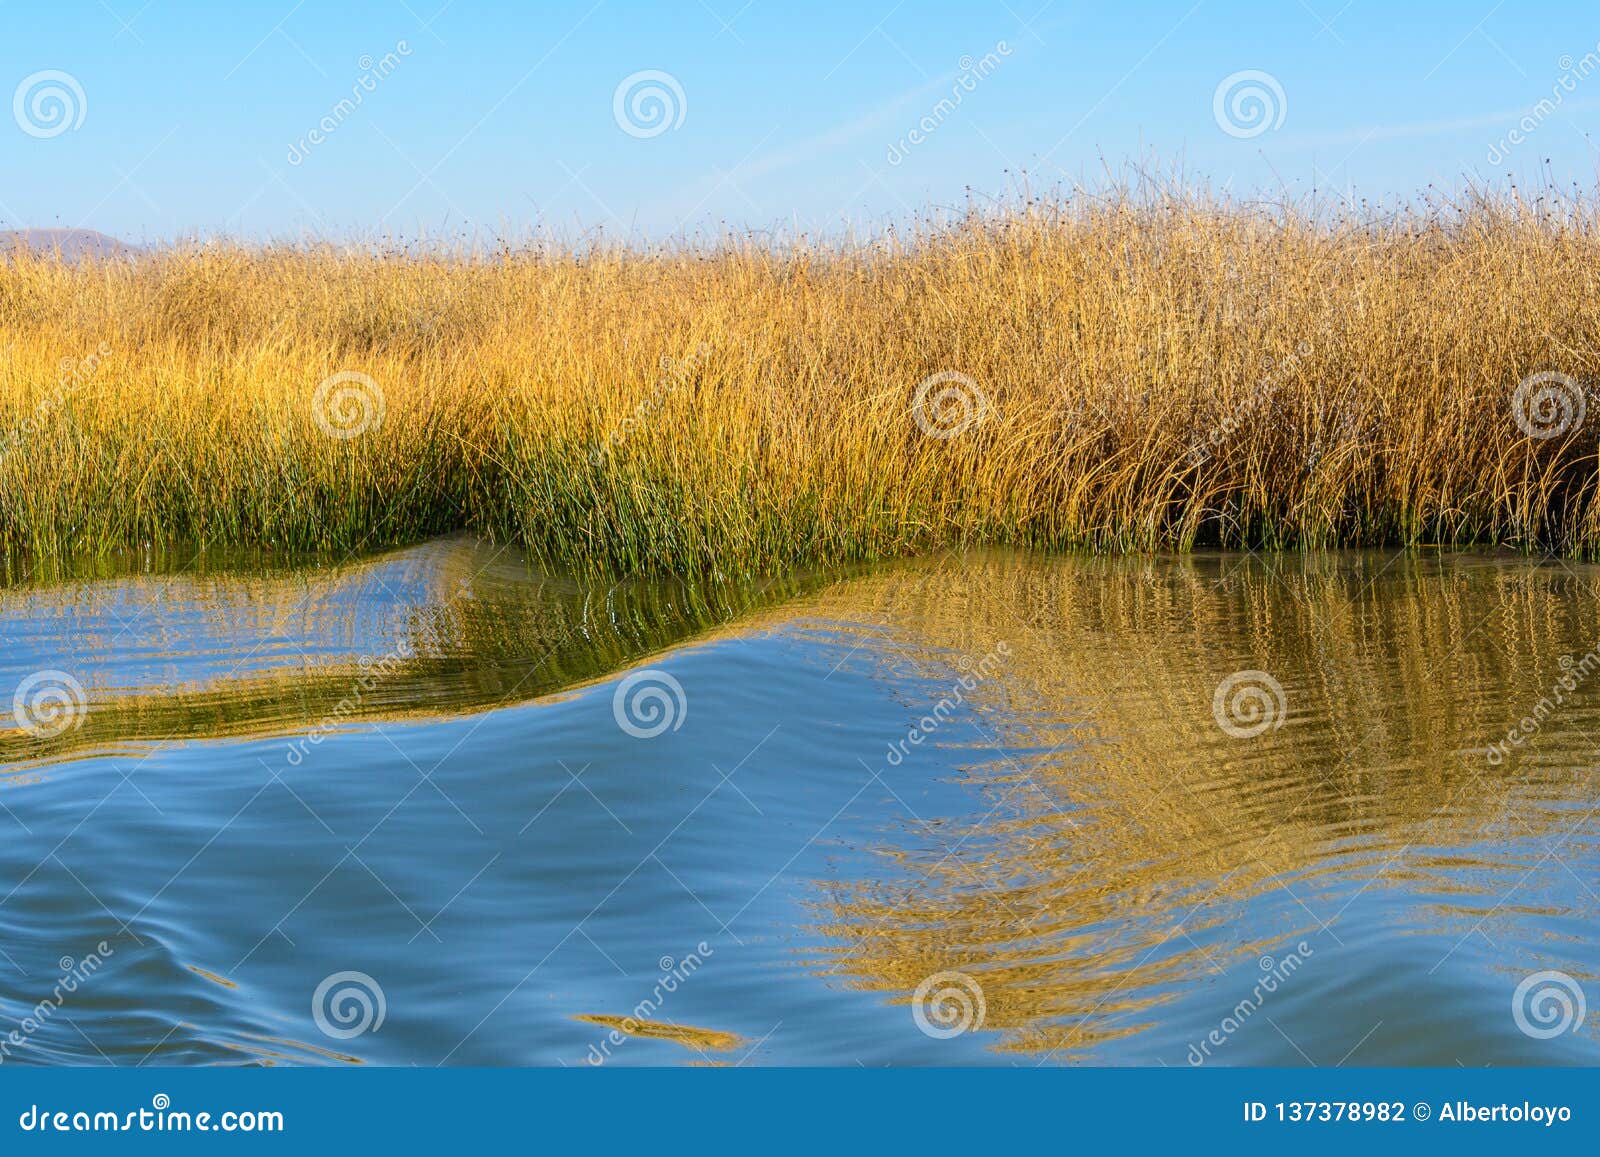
column 995, row 808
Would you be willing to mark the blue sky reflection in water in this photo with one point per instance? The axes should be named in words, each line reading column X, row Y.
column 433, row 807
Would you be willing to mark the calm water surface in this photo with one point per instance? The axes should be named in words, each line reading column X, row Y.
column 434, row 807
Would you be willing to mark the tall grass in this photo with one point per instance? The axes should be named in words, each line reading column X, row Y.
column 1113, row 372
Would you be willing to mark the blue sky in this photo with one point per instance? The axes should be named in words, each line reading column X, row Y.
column 178, row 118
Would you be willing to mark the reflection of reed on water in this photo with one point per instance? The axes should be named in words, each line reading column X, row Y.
column 1117, row 829
column 1124, row 830
column 218, row 651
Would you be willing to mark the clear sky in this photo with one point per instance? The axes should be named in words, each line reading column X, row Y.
column 155, row 118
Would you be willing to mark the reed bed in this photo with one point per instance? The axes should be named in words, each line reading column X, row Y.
column 1113, row 372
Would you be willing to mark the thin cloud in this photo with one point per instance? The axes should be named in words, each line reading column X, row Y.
column 1435, row 128
column 839, row 135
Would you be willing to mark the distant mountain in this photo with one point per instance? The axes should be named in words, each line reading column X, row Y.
column 72, row 244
